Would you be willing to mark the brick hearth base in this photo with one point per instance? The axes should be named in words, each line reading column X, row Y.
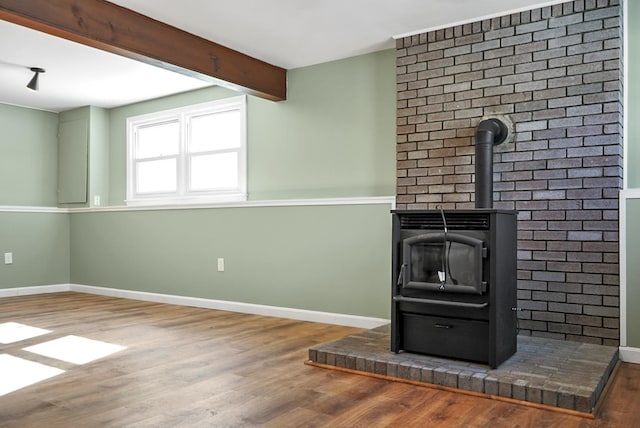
column 555, row 373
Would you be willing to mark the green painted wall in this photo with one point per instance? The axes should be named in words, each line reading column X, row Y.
column 633, row 273
column 97, row 169
column 99, row 156
column 327, row 258
column 28, row 157
column 73, row 157
column 28, row 177
column 333, row 137
column 633, row 102
column 633, row 175
column 40, row 246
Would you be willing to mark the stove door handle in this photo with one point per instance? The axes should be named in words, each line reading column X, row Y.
column 401, row 276
column 441, row 302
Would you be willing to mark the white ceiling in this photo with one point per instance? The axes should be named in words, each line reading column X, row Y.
column 286, row 33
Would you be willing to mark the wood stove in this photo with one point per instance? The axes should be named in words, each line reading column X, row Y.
column 454, row 284
column 454, row 279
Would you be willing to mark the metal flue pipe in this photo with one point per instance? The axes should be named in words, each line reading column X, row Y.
column 488, row 133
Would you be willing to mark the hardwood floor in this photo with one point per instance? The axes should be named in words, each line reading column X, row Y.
column 189, row 367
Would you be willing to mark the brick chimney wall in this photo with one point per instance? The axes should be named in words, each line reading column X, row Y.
column 557, row 73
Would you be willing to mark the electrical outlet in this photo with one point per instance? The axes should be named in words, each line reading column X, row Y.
column 8, row 258
column 96, row 200
column 220, row 264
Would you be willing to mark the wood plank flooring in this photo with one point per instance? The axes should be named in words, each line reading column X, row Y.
column 190, row 367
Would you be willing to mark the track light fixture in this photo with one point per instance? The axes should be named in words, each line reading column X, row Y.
column 33, row 83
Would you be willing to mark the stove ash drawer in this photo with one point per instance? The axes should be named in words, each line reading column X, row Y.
column 445, row 337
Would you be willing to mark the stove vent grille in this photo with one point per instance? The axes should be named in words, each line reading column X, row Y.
column 455, row 221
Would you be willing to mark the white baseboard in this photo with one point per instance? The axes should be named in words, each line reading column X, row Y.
column 629, row 355
column 222, row 305
column 38, row 289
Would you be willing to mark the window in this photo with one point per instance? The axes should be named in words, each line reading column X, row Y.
column 195, row 154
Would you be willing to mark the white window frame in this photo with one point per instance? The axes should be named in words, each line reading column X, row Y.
column 183, row 196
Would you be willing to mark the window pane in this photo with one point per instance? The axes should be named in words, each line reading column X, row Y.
column 216, row 131
column 219, row 171
column 156, row 176
column 158, row 140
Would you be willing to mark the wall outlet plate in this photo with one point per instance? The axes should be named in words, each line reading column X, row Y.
column 220, row 264
column 8, row 258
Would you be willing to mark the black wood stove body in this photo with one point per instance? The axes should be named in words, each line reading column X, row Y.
column 454, row 284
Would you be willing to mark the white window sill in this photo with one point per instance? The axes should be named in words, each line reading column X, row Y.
column 372, row 200
column 187, row 200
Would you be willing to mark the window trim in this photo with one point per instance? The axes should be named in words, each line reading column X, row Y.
column 183, row 196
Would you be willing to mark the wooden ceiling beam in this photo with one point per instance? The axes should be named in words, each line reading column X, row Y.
column 121, row 31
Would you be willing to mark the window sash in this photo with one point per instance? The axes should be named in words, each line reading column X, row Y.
column 231, row 167
column 146, row 165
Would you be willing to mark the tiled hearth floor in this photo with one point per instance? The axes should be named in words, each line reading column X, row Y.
column 559, row 374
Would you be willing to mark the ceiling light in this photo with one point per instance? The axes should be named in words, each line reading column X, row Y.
column 33, row 83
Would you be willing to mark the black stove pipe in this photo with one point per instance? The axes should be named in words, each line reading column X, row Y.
column 489, row 132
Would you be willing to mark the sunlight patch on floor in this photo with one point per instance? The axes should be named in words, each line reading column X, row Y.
column 75, row 349
column 16, row 373
column 11, row 332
